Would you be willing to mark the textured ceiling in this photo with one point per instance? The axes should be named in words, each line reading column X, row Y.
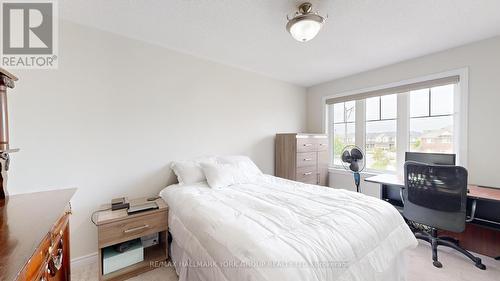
column 250, row 34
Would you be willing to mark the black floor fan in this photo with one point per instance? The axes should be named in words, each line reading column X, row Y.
column 353, row 159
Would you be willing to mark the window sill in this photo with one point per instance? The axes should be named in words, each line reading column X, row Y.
column 364, row 174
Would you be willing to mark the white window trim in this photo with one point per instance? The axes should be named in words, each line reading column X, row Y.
column 461, row 112
column 402, row 130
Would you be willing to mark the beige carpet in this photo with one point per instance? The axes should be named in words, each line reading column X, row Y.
column 419, row 268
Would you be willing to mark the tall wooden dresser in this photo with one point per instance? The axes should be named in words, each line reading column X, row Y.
column 302, row 157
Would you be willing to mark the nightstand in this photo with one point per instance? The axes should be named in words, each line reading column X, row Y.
column 114, row 227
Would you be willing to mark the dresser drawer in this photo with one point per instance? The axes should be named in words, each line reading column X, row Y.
column 322, row 144
column 306, row 159
column 307, row 175
column 120, row 231
column 306, row 145
column 53, row 247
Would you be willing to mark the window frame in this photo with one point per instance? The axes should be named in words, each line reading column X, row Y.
column 460, row 121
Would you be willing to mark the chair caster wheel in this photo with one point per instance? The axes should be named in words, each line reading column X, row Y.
column 437, row 264
column 498, row 258
column 480, row 266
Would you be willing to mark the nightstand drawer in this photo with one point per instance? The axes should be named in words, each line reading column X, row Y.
column 132, row 228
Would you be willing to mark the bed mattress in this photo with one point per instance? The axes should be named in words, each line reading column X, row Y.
column 276, row 229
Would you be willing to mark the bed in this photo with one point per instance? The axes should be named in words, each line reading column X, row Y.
column 276, row 229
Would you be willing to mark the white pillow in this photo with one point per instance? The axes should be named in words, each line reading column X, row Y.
column 190, row 171
column 221, row 175
column 242, row 162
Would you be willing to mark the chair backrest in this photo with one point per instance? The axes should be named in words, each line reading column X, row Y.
column 435, row 195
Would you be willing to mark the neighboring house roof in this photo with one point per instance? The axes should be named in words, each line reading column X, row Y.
column 432, row 134
column 427, row 134
column 378, row 137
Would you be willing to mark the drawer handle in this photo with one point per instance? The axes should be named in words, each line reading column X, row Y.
column 307, row 159
column 136, row 228
column 307, row 144
column 55, row 262
column 308, row 173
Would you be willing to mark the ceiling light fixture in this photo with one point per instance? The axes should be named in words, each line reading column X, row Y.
column 305, row 24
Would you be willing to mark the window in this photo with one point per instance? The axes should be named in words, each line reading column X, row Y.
column 431, row 119
column 344, row 117
column 421, row 117
column 380, row 144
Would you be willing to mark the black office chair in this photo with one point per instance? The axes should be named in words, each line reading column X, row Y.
column 436, row 196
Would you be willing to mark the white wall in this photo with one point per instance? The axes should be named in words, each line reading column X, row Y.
column 483, row 60
column 118, row 111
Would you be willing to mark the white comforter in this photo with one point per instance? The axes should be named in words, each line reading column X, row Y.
column 277, row 229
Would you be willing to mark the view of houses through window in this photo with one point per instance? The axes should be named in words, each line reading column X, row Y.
column 381, row 124
column 343, row 127
column 430, row 123
column 431, row 120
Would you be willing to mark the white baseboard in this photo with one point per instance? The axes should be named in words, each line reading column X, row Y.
column 84, row 260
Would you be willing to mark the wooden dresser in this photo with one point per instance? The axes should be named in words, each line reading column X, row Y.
column 302, row 157
column 34, row 236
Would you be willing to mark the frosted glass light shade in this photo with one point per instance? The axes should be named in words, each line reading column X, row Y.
column 305, row 29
